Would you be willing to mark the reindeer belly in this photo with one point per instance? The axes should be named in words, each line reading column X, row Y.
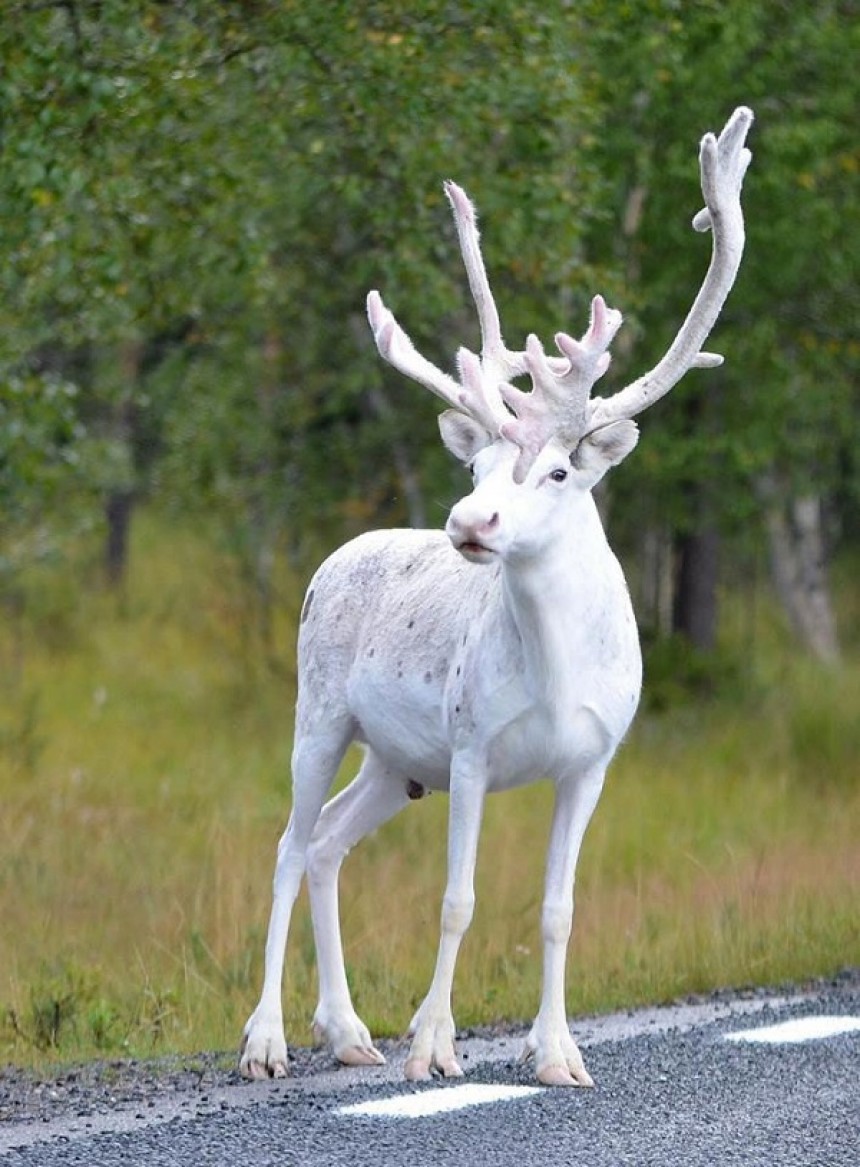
column 400, row 719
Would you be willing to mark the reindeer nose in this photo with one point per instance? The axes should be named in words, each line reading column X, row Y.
column 463, row 527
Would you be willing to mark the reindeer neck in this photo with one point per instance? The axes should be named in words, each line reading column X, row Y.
column 563, row 601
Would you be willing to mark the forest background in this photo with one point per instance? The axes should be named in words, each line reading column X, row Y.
column 196, row 197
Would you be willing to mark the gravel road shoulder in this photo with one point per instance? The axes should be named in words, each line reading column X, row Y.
column 103, row 1095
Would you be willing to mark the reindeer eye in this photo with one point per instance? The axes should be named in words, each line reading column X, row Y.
column 558, row 475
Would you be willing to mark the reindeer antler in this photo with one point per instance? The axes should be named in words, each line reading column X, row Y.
column 558, row 402
column 478, row 391
column 723, row 162
column 559, row 405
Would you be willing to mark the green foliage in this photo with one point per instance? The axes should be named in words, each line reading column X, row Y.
column 822, row 730
column 39, row 450
column 196, row 198
column 677, row 673
column 53, row 1010
column 21, row 743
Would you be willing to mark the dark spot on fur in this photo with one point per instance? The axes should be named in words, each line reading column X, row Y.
column 428, row 678
column 411, row 624
column 415, row 790
column 371, row 652
column 309, row 599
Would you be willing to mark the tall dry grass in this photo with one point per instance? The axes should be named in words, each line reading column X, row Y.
column 144, row 783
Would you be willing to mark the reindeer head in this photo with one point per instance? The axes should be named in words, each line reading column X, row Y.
column 530, row 451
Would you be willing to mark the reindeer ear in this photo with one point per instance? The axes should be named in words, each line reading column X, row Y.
column 462, row 436
column 605, row 447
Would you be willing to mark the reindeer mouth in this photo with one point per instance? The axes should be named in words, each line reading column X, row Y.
column 475, row 552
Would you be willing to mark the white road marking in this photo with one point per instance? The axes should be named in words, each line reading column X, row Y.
column 797, row 1030
column 439, row 1101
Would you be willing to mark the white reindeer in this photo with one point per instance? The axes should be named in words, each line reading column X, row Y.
column 501, row 651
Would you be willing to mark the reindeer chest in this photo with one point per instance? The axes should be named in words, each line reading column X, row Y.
column 530, row 723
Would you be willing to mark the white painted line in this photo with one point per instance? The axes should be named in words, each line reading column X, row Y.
column 800, row 1029
column 439, row 1101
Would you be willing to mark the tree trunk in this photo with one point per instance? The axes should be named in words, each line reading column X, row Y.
column 122, row 496
column 119, row 506
column 656, row 582
column 799, row 566
column 694, row 610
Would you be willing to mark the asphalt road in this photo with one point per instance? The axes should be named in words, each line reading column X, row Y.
column 673, row 1086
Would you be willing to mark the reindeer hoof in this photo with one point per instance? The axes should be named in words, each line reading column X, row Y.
column 417, row 1070
column 264, row 1050
column 557, row 1075
column 360, row 1055
column 348, row 1037
column 421, row 1069
column 450, row 1068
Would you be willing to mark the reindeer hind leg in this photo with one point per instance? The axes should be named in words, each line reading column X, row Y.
column 374, row 796
column 316, row 758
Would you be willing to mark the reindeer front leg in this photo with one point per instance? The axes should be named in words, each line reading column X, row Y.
column 433, row 1025
column 558, row 1061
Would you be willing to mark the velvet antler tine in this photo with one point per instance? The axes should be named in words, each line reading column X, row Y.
column 723, row 162
column 395, row 347
column 466, row 223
